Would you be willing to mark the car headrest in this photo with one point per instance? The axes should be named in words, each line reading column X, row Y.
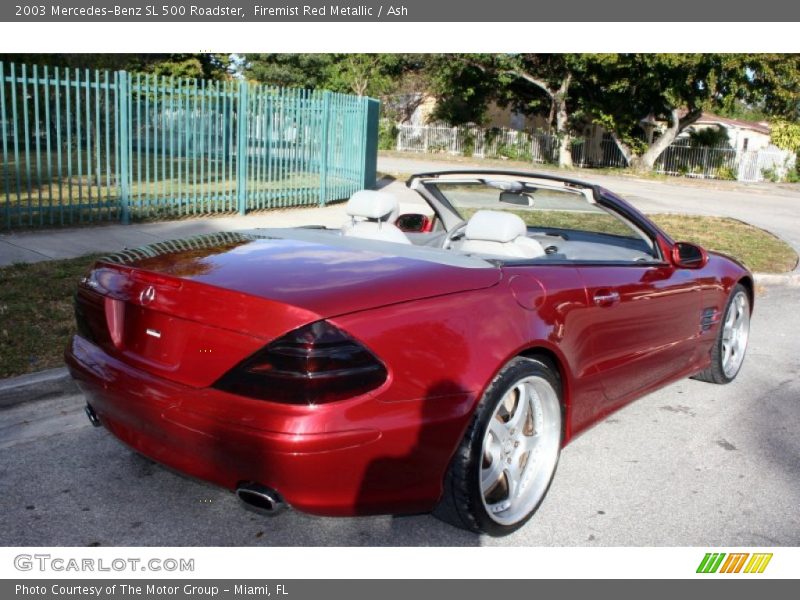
column 495, row 226
column 377, row 206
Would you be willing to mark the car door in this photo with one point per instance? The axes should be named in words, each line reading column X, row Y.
column 645, row 320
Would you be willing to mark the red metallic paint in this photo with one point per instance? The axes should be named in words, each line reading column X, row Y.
column 443, row 332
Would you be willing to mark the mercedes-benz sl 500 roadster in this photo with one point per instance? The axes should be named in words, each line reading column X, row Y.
column 437, row 360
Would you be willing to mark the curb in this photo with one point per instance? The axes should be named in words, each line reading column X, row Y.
column 36, row 386
column 789, row 279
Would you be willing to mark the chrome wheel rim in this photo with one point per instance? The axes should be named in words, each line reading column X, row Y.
column 735, row 332
column 520, row 449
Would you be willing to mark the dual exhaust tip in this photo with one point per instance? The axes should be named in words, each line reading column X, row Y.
column 256, row 497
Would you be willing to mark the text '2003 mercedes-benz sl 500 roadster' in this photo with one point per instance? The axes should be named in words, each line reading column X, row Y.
column 435, row 361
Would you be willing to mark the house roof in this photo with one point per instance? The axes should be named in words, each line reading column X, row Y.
column 708, row 118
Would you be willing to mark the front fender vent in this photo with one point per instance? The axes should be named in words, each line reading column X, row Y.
column 709, row 318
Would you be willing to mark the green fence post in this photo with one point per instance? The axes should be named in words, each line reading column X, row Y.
column 124, row 156
column 323, row 163
column 241, row 153
column 372, row 117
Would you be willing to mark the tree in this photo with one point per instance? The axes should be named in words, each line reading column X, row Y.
column 308, row 71
column 529, row 82
column 552, row 75
column 786, row 135
column 192, row 66
column 365, row 74
column 712, row 137
column 774, row 83
column 360, row 74
column 621, row 91
column 462, row 87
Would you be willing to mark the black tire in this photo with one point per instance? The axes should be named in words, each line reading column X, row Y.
column 715, row 372
column 463, row 503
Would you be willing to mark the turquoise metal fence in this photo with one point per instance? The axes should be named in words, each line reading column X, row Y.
column 83, row 146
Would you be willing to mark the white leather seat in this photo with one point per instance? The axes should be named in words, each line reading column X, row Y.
column 371, row 215
column 499, row 234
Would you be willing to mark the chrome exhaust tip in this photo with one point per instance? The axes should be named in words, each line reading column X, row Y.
column 93, row 418
column 261, row 499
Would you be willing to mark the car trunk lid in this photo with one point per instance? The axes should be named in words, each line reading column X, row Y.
column 190, row 310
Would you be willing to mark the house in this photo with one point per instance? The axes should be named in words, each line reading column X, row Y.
column 743, row 136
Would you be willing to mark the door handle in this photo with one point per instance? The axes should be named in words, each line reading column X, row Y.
column 606, row 297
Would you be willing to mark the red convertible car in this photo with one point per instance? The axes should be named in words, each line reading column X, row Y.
column 431, row 361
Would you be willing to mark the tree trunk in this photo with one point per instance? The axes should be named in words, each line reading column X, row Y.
column 359, row 86
column 627, row 151
column 558, row 105
column 648, row 160
column 562, row 123
column 564, row 137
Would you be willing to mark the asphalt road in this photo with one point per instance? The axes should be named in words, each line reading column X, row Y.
column 693, row 464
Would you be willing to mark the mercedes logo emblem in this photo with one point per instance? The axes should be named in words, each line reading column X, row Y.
column 147, row 295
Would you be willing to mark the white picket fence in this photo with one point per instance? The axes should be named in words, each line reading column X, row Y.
column 538, row 147
column 681, row 158
column 770, row 163
column 704, row 162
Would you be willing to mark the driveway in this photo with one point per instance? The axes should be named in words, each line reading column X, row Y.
column 691, row 465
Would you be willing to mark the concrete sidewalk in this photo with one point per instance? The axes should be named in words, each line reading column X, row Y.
column 48, row 244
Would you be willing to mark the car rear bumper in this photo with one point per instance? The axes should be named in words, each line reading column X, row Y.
column 359, row 456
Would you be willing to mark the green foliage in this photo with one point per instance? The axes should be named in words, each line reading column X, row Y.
column 287, row 70
column 743, row 110
column 710, row 137
column 360, row 74
column 468, row 144
column 193, row 66
column 387, row 135
column 771, row 174
column 465, row 84
column 624, row 88
column 363, row 74
column 786, row 135
column 461, row 87
column 514, row 153
column 726, row 173
column 774, row 83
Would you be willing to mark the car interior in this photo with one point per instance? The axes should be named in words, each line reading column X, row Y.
column 496, row 229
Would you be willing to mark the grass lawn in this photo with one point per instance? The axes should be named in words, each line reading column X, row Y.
column 759, row 250
column 36, row 317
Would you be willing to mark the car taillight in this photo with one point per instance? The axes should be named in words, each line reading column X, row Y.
column 315, row 364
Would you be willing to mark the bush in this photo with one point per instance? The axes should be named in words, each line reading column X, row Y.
column 387, row 135
column 468, row 144
column 513, row 153
column 726, row 173
column 710, row 137
column 771, row 174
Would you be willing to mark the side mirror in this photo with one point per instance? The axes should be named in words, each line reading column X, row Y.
column 414, row 223
column 688, row 256
column 516, row 198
